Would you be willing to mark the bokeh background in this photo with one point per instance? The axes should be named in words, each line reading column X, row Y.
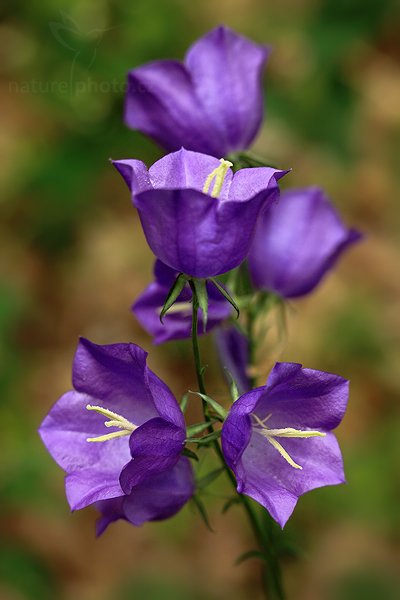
column 73, row 258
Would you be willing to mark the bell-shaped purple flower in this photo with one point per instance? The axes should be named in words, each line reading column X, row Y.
column 119, row 436
column 198, row 217
column 177, row 322
column 211, row 103
column 233, row 351
column 297, row 242
column 277, row 438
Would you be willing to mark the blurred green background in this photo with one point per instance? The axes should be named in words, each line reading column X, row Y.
column 74, row 258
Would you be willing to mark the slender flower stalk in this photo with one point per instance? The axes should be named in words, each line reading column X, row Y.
column 271, row 574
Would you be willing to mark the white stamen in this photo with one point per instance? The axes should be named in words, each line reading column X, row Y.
column 116, row 421
column 285, row 432
column 219, row 175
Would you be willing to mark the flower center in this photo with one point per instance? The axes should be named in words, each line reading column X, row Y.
column 219, row 175
column 286, row 432
column 116, row 420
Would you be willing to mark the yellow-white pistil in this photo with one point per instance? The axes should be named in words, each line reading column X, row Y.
column 219, row 175
column 286, row 432
column 116, row 420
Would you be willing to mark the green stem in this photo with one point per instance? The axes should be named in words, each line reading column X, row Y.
column 271, row 576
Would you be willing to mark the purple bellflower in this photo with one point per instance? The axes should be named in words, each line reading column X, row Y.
column 211, row 103
column 177, row 322
column 277, row 438
column 233, row 351
column 135, row 472
column 198, row 217
column 297, row 242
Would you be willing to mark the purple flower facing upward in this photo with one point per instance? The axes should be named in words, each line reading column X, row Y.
column 211, row 103
column 297, row 242
column 130, row 465
column 277, row 438
column 198, row 217
column 177, row 322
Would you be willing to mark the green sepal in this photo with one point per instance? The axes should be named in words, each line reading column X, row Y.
column 242, row 160
column 200, row 289
column 250, row 554
column 226, row 295
column 184, row 402
column 206, row 480
column 205, row 440
column 220, row 410
column 173, row 294
column 202, row 511
column 190, row 454
column 233, row 386
column 198, row 428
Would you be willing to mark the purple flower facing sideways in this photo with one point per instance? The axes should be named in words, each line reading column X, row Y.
column 297, row 242
column 177, row 322
column 277, row 438
column 233, row 351
column 198, row 217
column 119, row 436
column 211, row 103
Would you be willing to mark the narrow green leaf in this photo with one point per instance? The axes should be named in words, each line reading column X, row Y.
column 253, row 160
column 226, row 295
column 202, row 511
column 190, row 454
column 200, row 289
column 197, row 428
column 233, row 386
column 205, row 440
column 220, row 410
column 206, row 480
column 184, row 402
column 173, row 294
column 250, row 554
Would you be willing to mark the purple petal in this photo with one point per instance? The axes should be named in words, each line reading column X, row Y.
column 110, row 510
column 212, row 104
column 162, row 103
column 233, row 350
column 158, row 498
column 185, row 169
column 164, row 275
column 250, row 182
column 226, row 69
column 299, row 397
column 64, row 432
column 265, row 475
column 155, row 447
column 116, row 376
column 236, row 430
column 86, row 486
column 293, row 397
column 165, row 402
column 135, row 174
column 161, row 496
column 196, row 234
column 297, row 242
